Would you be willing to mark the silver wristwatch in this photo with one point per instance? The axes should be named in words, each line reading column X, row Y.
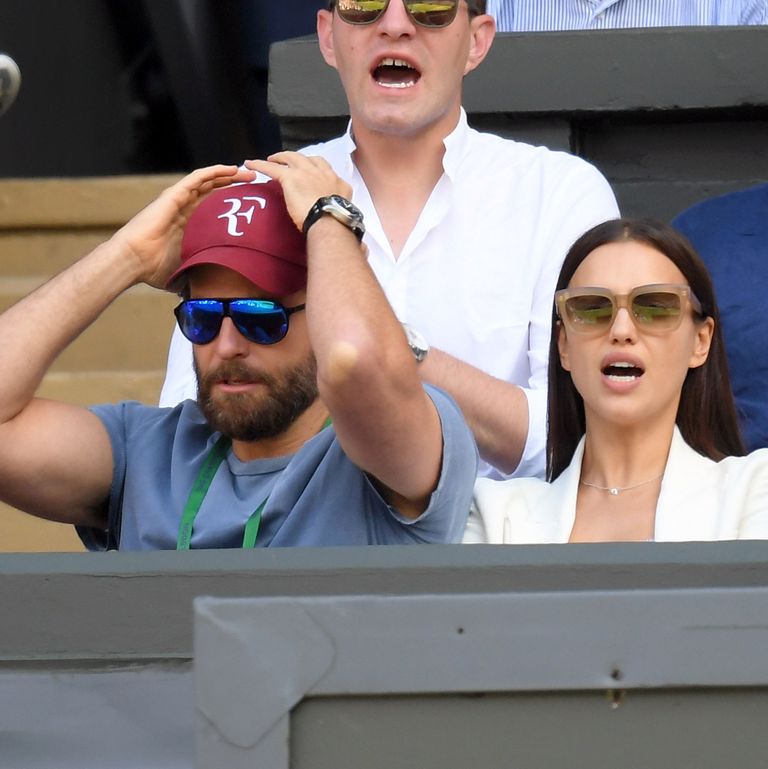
column 416, row 341
column 340, row 209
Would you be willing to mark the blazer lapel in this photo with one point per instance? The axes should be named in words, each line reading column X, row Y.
column 550, row 518
column 688, row 499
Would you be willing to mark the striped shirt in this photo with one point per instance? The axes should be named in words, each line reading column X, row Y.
column 526, row 15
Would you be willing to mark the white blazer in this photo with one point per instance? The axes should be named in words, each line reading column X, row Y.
column 699, row 500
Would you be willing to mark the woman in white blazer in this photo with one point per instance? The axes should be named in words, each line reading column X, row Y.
column 642, row 438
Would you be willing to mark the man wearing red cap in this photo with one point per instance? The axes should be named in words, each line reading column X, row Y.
column 311, row 426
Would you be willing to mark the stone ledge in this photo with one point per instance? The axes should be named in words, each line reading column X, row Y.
column 603, row 71
column 85, row 388
column 22, row 533
column 77, row 203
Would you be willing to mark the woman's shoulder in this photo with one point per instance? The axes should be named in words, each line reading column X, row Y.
column 742, row 483
column 753, row 464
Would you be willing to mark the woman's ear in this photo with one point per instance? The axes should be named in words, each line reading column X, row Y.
column 702, row 342
column 562, row 346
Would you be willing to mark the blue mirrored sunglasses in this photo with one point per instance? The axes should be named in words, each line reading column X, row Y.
column 259, row 320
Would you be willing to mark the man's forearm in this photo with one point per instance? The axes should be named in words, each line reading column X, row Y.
column 496, row 411
column 366, row 372
column 38, row 328
column 351, row 314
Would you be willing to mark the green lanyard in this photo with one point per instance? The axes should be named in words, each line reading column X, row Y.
column 200, row 489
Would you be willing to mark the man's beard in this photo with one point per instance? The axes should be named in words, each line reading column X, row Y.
column 280, row 401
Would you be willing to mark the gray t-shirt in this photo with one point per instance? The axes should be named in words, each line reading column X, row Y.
column 316, row 497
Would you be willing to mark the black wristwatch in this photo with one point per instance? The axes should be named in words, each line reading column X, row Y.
column 340, row 209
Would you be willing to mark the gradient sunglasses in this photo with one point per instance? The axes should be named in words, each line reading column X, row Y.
column 259, row 320
column 425, row 13
column 657, row 308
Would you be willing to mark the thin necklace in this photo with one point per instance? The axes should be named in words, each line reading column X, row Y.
column 614, row 490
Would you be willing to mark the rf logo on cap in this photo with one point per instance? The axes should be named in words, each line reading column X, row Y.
column 260, row 240
column 234, row 212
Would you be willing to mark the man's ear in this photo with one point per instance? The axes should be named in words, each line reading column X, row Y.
column 325, row 36
column 702, row 342
column 483, row 30
column 562, row 346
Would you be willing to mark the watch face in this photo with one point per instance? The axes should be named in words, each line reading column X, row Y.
column 416, row 341
column 346, row 212
column 349, row 208
column 339, row 208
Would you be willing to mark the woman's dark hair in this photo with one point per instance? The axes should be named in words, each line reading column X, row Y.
column 706, row 415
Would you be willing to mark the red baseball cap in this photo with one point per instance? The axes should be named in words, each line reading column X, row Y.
column 246, row 228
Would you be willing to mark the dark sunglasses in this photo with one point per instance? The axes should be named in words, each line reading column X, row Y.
column 425, row 13
column 259, row 320
column 656, row 308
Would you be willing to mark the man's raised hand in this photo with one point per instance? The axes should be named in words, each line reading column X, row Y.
column 152, row 238
column 304, row 180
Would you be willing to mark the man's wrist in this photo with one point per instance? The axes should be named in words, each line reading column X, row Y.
column 416, row 341
column 122, row 263
column 340, row 209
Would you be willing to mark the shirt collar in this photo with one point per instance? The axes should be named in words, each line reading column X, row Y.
column 455, row 144
column 347, row 147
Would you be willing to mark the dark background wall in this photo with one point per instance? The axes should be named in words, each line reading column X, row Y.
column 73, row 113
column 125, row 86
column 671, row 116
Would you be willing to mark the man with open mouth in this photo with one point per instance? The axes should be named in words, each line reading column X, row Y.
column 466, row 231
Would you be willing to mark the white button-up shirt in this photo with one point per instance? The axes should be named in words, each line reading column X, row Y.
column 477, row 274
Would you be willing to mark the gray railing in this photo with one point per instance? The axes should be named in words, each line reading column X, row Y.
column 96, row 654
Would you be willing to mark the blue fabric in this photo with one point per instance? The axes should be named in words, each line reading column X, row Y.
column 267, row 22
column 731, row 234
column 530, row 15
column 317, row 497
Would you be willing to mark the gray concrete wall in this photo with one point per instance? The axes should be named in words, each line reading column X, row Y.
column 671, row 116
column 628, row 678
column 96, row 649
